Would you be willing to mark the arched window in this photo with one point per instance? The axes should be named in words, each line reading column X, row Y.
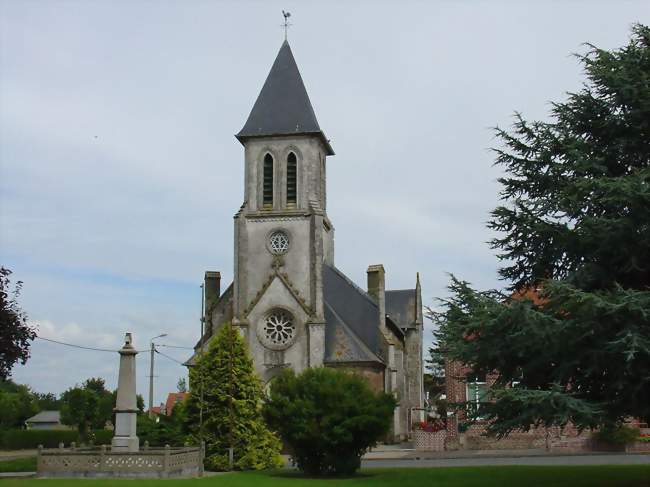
column 292, row 179
column 267, row 190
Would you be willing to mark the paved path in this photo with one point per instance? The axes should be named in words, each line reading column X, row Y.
column 590, row 459
column 9, row 475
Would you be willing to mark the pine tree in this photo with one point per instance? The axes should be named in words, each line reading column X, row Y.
column 574, row 327
column 224, row 406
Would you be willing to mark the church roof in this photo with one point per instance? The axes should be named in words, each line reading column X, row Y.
column 401, row 307
column 352, row 321
column 283, row 106
column 341, row 343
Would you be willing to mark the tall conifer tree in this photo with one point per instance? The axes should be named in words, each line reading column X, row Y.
column 574, row 327
column 224, row 406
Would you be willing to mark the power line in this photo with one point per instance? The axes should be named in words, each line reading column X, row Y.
column 173, row 346
column 170, row 358
column 76, row 346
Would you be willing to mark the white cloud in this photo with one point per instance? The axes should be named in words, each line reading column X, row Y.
column 119, row 174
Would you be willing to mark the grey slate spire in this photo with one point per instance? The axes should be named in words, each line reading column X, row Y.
column 283, row 106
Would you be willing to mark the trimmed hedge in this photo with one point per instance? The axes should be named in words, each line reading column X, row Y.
column 27, row 439
column 103, row 437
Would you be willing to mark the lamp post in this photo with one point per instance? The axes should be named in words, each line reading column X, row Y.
column 153, row 350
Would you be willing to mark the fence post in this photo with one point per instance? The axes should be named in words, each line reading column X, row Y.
column 201, row 458
column 146, row 445
column 61, row 445
column 166, row 461
column 73, row 446
column 102, row 459
column 39, row 459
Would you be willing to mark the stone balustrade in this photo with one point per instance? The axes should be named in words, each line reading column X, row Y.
column 101, row 461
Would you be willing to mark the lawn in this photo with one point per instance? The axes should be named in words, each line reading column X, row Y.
column 27, row 464
column 587, row 476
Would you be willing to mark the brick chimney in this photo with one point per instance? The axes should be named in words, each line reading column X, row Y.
column 377, row 290
column 212, row 288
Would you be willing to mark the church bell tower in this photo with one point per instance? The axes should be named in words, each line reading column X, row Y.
column 282, row 233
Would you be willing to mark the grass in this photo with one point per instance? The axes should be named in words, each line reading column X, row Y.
column 27, row 464
column 565, row 476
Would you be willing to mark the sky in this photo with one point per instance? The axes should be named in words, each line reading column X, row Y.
column 120, row 174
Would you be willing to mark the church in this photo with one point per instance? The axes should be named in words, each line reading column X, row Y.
column 290, row 302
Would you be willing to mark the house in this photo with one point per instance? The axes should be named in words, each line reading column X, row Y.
column 173, row 398
column 45, row 420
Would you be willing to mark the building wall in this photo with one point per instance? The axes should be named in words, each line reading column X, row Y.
column 474, row 438
column 372, row 373
column 291, row 282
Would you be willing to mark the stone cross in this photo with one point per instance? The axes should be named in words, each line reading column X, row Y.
column 126, row 407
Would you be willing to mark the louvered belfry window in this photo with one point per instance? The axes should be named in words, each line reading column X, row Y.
column 267, row 190
column 292, row 179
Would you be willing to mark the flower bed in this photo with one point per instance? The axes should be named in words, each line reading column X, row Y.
column 429, row 436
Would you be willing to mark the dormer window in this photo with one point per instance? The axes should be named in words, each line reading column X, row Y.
column 292, row 179
column 267, row 189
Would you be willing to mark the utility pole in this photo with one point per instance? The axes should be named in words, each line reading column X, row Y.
column 151, row 381
column 153, row 351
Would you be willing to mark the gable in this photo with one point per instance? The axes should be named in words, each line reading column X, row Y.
column 401, row 307
column 350, row 310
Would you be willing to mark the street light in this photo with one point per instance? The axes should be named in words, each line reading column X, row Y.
column 153, row 350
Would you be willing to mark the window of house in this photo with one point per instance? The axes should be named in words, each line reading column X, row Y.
column 476, row 396
column 267, row 190
column 292, row 179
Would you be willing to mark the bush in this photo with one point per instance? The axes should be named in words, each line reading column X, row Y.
column 16, row 439
column 24, row 439
column 328, row 417
column 617, row 435
column 164, row 430
column 101, row 437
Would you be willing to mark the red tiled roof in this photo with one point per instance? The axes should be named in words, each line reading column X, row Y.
column 174, row 398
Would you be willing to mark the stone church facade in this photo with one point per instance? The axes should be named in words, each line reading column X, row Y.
column 288, row 300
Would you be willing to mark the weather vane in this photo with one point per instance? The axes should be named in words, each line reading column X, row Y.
column 286, row 23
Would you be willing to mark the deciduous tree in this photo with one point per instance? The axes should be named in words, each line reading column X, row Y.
column 15, row 333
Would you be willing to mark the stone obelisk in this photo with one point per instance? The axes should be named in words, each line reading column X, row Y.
column 126, row 406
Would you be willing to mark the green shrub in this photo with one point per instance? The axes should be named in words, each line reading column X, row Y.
column 24, row 439
column 328, row 417
column 164, row 430
column 617, row 435
column 18, row 465
column 101, row 437
column 224, row 406
column 16, row 439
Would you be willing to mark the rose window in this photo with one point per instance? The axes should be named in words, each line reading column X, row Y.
column 278, row 329
column 279, row 242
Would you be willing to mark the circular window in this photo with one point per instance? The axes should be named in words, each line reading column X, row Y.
column 279, row 242
column 278, row 329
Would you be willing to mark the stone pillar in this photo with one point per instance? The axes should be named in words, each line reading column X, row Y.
column 126, row 406
column 316, row 344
